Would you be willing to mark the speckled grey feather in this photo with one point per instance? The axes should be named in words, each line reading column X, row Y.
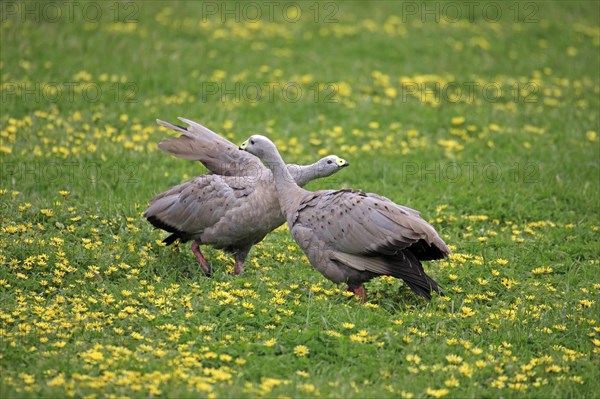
column 233, row 207
column 351, row 236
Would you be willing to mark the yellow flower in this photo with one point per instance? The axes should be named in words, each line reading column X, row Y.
column 301, row 350
column 572, row 51
column 508, row 283
column 57, row 381
column 302, row 373
column 553, row 369
column 586, row 303
column 452, row 382
column 391, row 92
column 47, row 212
column 308, row 388
column 542, row 270
column 10, row 229
column 270, row 342
column 348, row 326
column 416, row 359
column 457, row 120
column 467, row 312
column 454, row 359
column 437, row 393
column 591, row 135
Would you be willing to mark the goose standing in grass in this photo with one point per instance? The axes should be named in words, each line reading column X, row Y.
column 233, row 207
column 351, row 236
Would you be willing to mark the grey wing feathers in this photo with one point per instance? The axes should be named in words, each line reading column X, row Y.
column 404, row 208
column 219, row 155
column 187, row 209
column 367, row 235
column 365, row 224
column 404, row 265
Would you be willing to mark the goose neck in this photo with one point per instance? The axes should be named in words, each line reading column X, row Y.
column 303, row 174
column 289, row 192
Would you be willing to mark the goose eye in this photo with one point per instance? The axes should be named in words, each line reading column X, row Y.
column 329, row 162
column 252, row 142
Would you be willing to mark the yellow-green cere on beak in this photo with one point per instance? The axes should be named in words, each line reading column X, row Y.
column 244, row 145
column 341, row 162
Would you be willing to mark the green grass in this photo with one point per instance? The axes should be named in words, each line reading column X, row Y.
column 94, row 306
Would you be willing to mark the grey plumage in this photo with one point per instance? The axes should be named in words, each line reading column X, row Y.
column 350, row 236
column 233, row 207
column 219, row 155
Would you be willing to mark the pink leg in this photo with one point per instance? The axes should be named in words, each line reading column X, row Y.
column 360, row 292
column 201, row 259
column 239, row 267
column 240, row 257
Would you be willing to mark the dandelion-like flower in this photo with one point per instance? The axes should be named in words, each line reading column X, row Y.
column 301, row 350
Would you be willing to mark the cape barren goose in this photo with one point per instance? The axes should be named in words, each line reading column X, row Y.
column 233, row 207
column 351, row 236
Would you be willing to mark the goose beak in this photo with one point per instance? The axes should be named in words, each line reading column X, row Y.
column 342, row 163
column 244, row 145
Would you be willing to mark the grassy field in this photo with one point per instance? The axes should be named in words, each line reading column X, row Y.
column 484, row 117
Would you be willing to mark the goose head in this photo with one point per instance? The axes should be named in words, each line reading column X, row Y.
column 259, row 146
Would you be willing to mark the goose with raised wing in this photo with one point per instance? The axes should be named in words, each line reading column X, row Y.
column 351, row 236
column 233, row 207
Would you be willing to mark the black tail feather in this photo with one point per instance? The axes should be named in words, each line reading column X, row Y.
column 423, row 287
column 171, row 239
column 177, row 234
column 413, row 274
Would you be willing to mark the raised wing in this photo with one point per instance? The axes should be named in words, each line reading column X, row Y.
column 219, row 155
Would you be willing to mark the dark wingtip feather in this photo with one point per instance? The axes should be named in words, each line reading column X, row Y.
column 171, row 239
column 424, row 251
column 413, row 274
column 159, row 224
column 423, row 287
